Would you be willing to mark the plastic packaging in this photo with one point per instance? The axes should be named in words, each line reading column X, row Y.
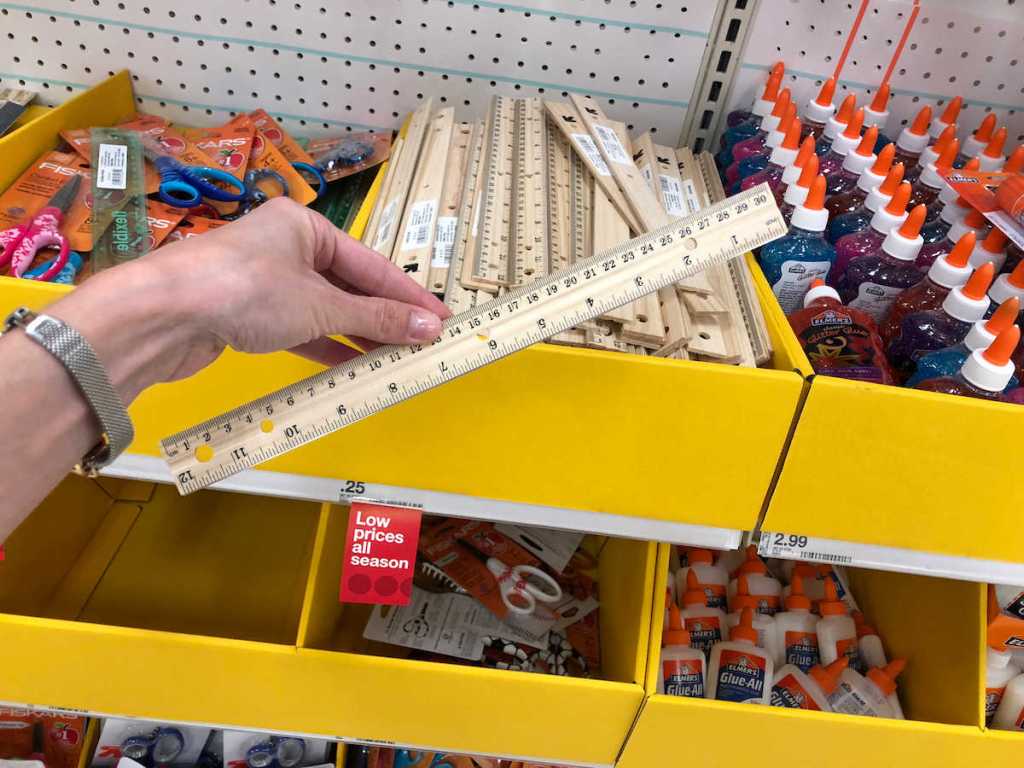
column 1010, row 196
column 869, row 242
column 837, row 633
column 999, row 671
column 859, row 220
column 984, row 374
column 683, row 670
column 739, row 670
column 796, row 636
column 795, row 689
column 954, row 209
column 867, row 695
column 853, row 197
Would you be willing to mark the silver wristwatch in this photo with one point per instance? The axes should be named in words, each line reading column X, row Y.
column 77, row 356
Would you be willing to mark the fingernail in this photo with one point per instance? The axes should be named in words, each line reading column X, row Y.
column 423, row 325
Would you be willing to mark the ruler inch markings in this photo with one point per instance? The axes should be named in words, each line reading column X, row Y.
column 337, row 397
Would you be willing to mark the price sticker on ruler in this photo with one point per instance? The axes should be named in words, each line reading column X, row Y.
column 672, row 191
column 793, row 546
column 589, row 148
column 444, row 240
column 420, row 226
column 612, row 146
column 112, row 167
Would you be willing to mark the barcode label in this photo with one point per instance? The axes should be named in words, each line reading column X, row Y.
column 420, row 226
column 648, row 174
column 587, row 146
column 672, row 191
column 791, row 546
column 612, row 146
column 387, row 220
column 444, row 240
column 690, row 193
column 112, row 167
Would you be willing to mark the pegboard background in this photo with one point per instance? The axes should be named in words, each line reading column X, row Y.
column 325, row 65
column 973, row 49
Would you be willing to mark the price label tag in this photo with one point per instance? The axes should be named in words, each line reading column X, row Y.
column 792, row 546
column 380, row 554
column 113, row 167
column 589, row 148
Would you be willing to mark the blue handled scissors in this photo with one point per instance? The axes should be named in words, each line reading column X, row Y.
column 185, row 186
column 311, row 171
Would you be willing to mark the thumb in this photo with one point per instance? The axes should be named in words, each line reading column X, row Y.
column 384, row 320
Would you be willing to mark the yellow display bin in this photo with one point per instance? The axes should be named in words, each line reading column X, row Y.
column 936, row 624
column 640, row 440
column 222, row 609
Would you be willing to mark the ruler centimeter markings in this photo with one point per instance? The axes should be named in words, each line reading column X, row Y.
column 335, row 398
column 455, row 296
column 489, row 267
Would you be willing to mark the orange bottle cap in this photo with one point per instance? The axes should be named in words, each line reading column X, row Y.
column 994, row 148
column 867, row 142
column 948, row 154
column 921, row 122
column 1002, row 349
column 892, row 180
column 1016, row 162
column 1004, row 316
column 881, row 100
column 694, row 594
column 827, row 678
column 898, row 205
column 827, row 92
column 831, row 605
column 742, row 599
column 1016, row 278
column 947, row 135
column 975, row 219
column 781, row 103
column 979, row 281
column 846, row 109
column 884, row 160
column 952, row 110
column 675, row 633
column 806, row 150
column 745, row 629
column 816, row 197
column 771, row 87
column 960, row 256
column 911, row 227
column 984, row 131
column 885, row 677
column 974, row 164
column 809, row 172
column 698, row 556
column 792, row 138
column 995, row 242
column 779, row 68
column 855, row 125
column 818, row 283
column 806, row 570
column 797, row 600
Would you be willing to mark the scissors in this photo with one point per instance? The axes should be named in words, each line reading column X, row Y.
column 254, row 195
column 521, row 586
column 277, row 751
column 158, row 747
column 185, row 186
column 311, row 171
column 21, row 243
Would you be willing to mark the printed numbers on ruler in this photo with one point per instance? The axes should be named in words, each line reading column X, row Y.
column 791, row 546
column 340, row 396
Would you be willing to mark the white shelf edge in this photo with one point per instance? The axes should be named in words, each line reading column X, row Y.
column 307, row 488
column 832, row 551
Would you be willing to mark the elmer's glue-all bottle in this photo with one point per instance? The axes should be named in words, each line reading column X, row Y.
column 835, row 125
column 792, row 262
column 796, row 192
column 853, row 198
column 706, row 625
column 999, row 671
column 739, row 670
column 972, row 222
column 1009, row 714
column 913, row 139
column 877, row 114
column 817, row 111
column 985, row 374
column 946, row 362
column 796, row 635
column 792, row 172
column 954, row 209
column 760, row 582
column 682, row 671
column 930, row 183
column 713, row 579
column 872, row 282
column 763, row 624
column 869, row 241
column 796, row 689
column 931, row 329
column 837, row 633
column 992, row 157
column 946, row 273
column 931, row 154
column 832, row 161
column 781, row 156
column 813, row 586
column 975, row 144
column 869, row 643
column 840, row 341
column 870, row 695
column 947, row 119
column 857, row 160
column 877, row 196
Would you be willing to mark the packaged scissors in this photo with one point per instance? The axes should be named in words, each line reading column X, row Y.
column 341, row 156
column 36, row 187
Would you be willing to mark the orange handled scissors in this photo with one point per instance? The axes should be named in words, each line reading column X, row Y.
column 21, row 243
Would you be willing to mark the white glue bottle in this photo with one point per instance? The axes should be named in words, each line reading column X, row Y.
column 796, row 633
column 713, row 578
column 795, row 689
column 740, row 671
column 683, row 670
column 869, row 643
column 762, row 623
column 1010, row 712
column 870, row 696
column 814, row 586
column 706, row 626
column 837, row 634
column 760, row 583
column 999, row 671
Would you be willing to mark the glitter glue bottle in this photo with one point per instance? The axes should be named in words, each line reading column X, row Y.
column 817, row 111
column 991, row 157
column 796, row 193
column 682, row 671
column 832, row 161
column 876, row 196
column 947, row 119
column 985, row 374
column 763, row 105
column 744, row 130
column 869, row 241
column 796, row 689
column 792, row 172
column 972, row 223
column 836, row 124
column 930, row 154
column 756, row 143
column 930, row 183
column 792, row 262
column 913, row 139
column 852, row 196
column 946, row 362
column 947, row 272
column 755, row 163
column 860, row 159
column 954, row 208
column 931, row 329
column 839, row 341
column 1008, row 286
column 975, row 144
column 991, row 249
column 781, row 156
column 877, row 114
column 739, row 671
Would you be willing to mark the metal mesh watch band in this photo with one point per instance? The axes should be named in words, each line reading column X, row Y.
column 77, row 356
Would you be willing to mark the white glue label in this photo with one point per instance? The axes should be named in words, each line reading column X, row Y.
column 672, row 191
column 420, row 226
column 112, row 167
column 444, row 240
column 612, row 146
column 875, row 299
column 690, row 193
column 387, row 220
column 797, row 277
column 589, row 149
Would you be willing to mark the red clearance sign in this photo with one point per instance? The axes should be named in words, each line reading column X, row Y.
column 380, row 554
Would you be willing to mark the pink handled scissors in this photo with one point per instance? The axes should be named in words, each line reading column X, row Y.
column 21, row 243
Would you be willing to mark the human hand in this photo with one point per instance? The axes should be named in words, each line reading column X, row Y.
column 282, row 277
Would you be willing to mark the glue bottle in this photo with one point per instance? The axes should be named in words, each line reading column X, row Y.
column 876, row 196
column 792, row 172
column 999, row 671
column 813, row 585
column 754, row 163
column 869, row 644
column 795, row 689
column 742, row 124
column 857, row 160
column 796, row 635
column 682, row 671
column 947, row 119
column 781, row 156
column 869, row 241
column 930, row 183
column 877, row 114
column 832, row 161
column 1008, row 286
column 985, row 374
column 954, row 209
column 760, row 582
column 913, row 139
column 991, row 157
column 972, row 221
column 817, row 111
column 870, row 695
column 796, row 192
column 792, row 262
column 837, row 633
column 852, row 198
column 757, row 144
column 705, row 624
column 763, row 105
column 713, row 579
column 739, row 670
column 975, row 144
column 836, row 124
column 931, row 154
column 762, row 623
column 991, row 249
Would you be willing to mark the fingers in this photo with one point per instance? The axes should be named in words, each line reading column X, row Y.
column 381, row 320
column 326, row 351
column 364, row 269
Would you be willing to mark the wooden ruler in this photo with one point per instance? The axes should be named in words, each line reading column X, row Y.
column 559, row 157
column 447, row 229
column 314, row 407
column 370, row 233
column 457, row 297
column 529, row 235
